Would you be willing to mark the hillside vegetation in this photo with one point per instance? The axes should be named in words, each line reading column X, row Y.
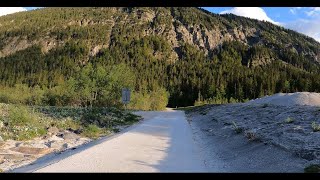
column 174, row 56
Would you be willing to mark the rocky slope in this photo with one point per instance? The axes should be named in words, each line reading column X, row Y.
column 53, row 27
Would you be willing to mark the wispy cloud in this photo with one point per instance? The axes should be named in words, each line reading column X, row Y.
column 251, row 12
column 10, row 10
column 295, row 9
column 308, row 27
column 313, row 11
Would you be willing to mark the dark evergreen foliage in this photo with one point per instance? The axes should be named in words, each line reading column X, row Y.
column 235, row 72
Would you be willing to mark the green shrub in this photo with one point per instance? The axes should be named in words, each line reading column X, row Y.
column 93, row 131
column 20, row 115
column 29, row 132
column 289, row 120
column 21, row 123
column 313, row 168
column 131, row 118
column 154, row 100
column 66, row 124
column 237, row 129
column 315, row 126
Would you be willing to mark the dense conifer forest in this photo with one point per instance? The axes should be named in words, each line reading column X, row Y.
column 167, row 56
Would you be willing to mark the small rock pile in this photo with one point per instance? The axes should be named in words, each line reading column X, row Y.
column 15, row 154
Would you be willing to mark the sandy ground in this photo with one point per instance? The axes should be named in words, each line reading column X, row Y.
column 163, row 142
column 290, row 99
column 226, row 151
column 276, row 133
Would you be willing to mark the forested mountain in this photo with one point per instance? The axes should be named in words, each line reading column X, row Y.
column 84, row 56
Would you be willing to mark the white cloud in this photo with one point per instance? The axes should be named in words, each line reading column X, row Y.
column 10, row 10
column 250, row 12
column 293, row 11
column 308, row 27
column 313, row 11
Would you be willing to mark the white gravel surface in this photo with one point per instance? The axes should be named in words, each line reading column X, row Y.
column 290, row 99
column 161, row 143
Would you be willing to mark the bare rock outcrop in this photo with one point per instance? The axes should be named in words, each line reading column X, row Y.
column 15, row 154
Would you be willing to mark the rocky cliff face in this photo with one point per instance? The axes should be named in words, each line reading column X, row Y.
column 54, row 26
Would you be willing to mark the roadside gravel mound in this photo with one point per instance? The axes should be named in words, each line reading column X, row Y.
column 290, row 99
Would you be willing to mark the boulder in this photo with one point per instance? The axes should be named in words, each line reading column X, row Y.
column 53, row 130
column 68, row 135
column 77, row 131
column 55, row 138
column 55, row 144
column 65, row 145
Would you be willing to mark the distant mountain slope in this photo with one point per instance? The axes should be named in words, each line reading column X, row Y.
column 194, row 54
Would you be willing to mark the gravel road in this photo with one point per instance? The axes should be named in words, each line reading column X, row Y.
column 163, row 142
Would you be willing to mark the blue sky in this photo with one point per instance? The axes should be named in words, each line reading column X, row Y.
column 305, row 20
column 30, row 8
column 279, row 14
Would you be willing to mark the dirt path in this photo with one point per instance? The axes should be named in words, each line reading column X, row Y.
column 161, row 143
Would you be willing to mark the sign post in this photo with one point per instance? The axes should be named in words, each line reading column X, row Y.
column 125, row 97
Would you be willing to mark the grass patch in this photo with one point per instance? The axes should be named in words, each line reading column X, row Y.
column 236, row 128
column 315, row 127
column 289, row 120
column 313, row 168
column 24, row 123
column 21, row 123
column 66, row 123
column 188, row 108
column 94, row 132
